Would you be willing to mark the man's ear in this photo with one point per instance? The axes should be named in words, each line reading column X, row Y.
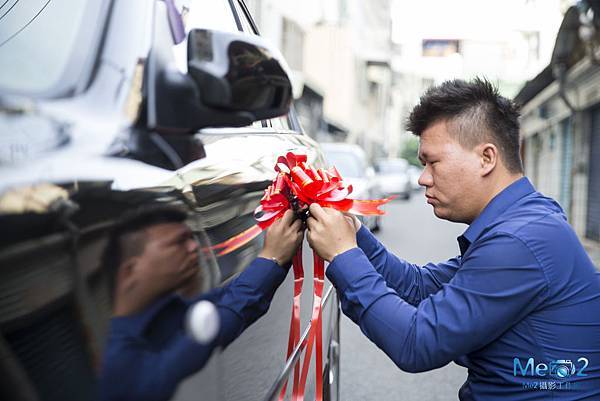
column 489, row 158
column 126, row 277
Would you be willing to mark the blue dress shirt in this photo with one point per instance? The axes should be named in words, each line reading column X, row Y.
column 520, row 307
column 149, row 354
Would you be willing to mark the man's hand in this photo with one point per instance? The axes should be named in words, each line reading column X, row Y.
column 283, row 239
column 354, row 221
column 330, row 232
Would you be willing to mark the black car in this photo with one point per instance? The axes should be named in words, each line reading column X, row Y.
column 108, row 105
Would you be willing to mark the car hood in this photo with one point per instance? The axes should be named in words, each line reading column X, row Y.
column 26, row 135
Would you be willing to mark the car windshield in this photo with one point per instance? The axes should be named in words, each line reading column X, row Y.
column 38, row 41
column 392, row 166
column 347, row 163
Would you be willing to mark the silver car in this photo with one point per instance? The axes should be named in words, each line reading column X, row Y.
column 352, row 163
column 394, row 177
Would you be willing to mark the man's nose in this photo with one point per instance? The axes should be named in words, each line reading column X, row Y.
column 425, row 179
column 191, row 245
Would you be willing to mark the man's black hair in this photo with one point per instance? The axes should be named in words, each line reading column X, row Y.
column 126, row 239
column 475, row 113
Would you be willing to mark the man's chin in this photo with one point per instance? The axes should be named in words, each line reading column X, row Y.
column 439, row 212
column 442, row 213
column 445, row 214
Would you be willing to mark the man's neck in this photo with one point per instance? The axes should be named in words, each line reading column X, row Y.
column 130, row 304
column 500, row 184
column 504, row 182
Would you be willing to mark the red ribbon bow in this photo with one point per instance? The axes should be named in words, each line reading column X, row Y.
column 299, row 182
column 297, row 186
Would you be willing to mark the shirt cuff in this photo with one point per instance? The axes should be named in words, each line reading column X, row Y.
column 285, row 266
column 348, row 267
column 366, row 240
column 266, row 272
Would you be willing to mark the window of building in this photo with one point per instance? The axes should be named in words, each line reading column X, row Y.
column 440, row 47
column 292, row 43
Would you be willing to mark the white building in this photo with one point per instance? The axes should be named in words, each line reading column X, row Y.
column 342, row 50
column 508, row 42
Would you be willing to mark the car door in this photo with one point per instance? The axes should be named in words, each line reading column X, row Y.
column 226, row 187
column 53, row 292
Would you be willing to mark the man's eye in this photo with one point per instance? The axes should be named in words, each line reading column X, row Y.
column 181, row 239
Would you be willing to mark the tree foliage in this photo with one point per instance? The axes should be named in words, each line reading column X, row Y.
column 410, row 151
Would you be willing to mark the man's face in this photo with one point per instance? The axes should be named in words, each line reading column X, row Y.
column 452, row 175
column 169, row 259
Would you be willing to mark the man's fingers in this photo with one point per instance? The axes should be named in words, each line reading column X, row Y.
column 190, row 264
column 317, row 211
column 311, row 223
column 297, row 225
column 288, row 217
column 349, row 220
column 350, row 215
column 331, row 211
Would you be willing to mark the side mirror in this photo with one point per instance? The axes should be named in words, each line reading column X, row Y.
column 233, row 80
column 238, row 73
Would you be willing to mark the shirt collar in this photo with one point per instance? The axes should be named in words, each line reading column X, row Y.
column 136, row 324
column 494, row 208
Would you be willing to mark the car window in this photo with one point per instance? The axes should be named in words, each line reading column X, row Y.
column 347, row 163
column 207, row 14
column 213, row 14
column 246, row 25
column 39, row 55
column 281, row 123
column 218, row 15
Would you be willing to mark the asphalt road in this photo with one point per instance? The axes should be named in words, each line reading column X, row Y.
column 411, row 231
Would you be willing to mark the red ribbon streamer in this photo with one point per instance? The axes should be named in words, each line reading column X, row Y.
column 297, row 186
column 294, row 336
column 316, row 334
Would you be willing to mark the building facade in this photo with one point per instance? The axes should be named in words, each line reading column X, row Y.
column 339, row 51
column 560, row 127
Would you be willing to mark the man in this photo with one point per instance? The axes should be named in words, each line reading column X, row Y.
column 153, row 255
column 520, row 306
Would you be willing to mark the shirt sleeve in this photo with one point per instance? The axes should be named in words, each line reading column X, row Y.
column 412, row 282
column 500, row 281
column 247, row 297
column 134, row 372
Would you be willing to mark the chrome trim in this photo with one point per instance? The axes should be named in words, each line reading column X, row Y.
column 273, row 393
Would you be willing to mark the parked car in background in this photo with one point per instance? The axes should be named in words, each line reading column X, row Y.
column 352, row 163
column 109, row 105
column 414, row 173
column 394, row 177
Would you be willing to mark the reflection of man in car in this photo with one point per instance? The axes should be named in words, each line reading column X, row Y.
column 523, row 292
column 152, row 255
